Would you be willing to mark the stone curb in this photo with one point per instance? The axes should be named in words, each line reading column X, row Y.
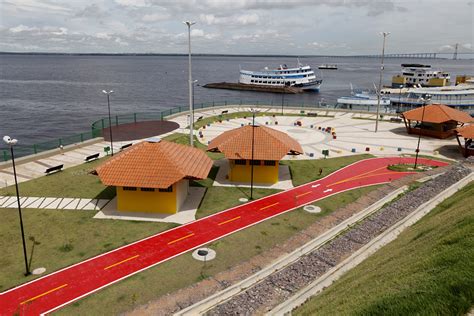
column 221, row 296
column 367, row 250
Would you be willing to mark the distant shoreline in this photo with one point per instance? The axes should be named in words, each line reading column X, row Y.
column 214, row 55
column 167, row 54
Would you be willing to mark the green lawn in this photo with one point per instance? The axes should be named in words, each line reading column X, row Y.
column 304, row 171
column 64, row 237
column 74, row 182
column 231, row 250
column 427, row 270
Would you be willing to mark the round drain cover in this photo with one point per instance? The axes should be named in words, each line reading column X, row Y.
column 312, row 209
column 204, row 254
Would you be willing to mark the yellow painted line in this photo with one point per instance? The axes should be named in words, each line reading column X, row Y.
column 228, row 221
column 179, row 239
column 269, row 205
column 368, row 176
column 302, row 194
column 359, row 176
column 120, row 262
column 45, row 293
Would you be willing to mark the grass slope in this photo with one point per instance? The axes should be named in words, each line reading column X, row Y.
column 428, row 270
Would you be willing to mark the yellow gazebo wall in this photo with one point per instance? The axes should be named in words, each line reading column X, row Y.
column 147, row 202
column 261, row 173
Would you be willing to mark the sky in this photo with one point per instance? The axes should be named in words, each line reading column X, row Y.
column 296, row 27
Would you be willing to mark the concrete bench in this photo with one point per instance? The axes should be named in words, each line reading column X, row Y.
column 91, row 157
column 125, row 146
column 54, row 169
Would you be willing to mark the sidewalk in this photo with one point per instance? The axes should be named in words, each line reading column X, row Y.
column 53, row 203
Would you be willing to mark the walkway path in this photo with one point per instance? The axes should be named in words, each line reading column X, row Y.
column 57, row 289
column 53, row 203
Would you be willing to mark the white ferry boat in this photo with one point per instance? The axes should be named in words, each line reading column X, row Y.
column 460, row 96
column 302, row 77
column 418, row 74
column 362, row 99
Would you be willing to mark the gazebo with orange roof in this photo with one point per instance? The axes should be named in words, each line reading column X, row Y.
column 153, row 176
column 435, row 120
column 269, row 147
column 466, row 132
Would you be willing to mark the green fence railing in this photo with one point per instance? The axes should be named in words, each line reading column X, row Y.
column 98, row 126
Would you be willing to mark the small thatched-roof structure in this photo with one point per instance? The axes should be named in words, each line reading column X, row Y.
column 435, row 120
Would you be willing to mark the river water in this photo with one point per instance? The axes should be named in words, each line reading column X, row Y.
column 49, row 96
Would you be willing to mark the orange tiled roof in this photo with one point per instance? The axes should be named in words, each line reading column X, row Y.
column 466, row 131
column 154, row 165
column 437, row 113
column 269, row 144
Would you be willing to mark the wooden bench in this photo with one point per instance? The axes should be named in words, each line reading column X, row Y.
column 91, row 157
column 54, row 169
column 125, row 146
column 395, row 119
column 311, row 114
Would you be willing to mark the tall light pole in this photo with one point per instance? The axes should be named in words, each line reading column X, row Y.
column 11, row 142
column 253, row 150
column 194, row 84
column 424, row 99
column 108, row 93
column 385, row 34
column 190, row 81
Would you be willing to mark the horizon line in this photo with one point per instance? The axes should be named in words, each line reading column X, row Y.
column 216, row 54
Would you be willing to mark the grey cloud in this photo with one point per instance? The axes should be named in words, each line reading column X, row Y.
column 91, row 11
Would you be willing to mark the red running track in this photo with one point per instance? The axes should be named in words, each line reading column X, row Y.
column 60, row 288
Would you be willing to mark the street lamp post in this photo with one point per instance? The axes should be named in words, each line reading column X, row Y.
column 425, row 99
column 253, row 150
column 11, row 143
column 385, row 34
column 190, row 82
column 194, row 84
column 108, row 93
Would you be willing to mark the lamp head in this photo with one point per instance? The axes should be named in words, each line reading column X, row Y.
column 9, row 141
column 189, row 23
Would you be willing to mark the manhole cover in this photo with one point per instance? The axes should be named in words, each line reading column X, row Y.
column 204, row 254
column 243, row 200
column 38, row 271
column 312, row 209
